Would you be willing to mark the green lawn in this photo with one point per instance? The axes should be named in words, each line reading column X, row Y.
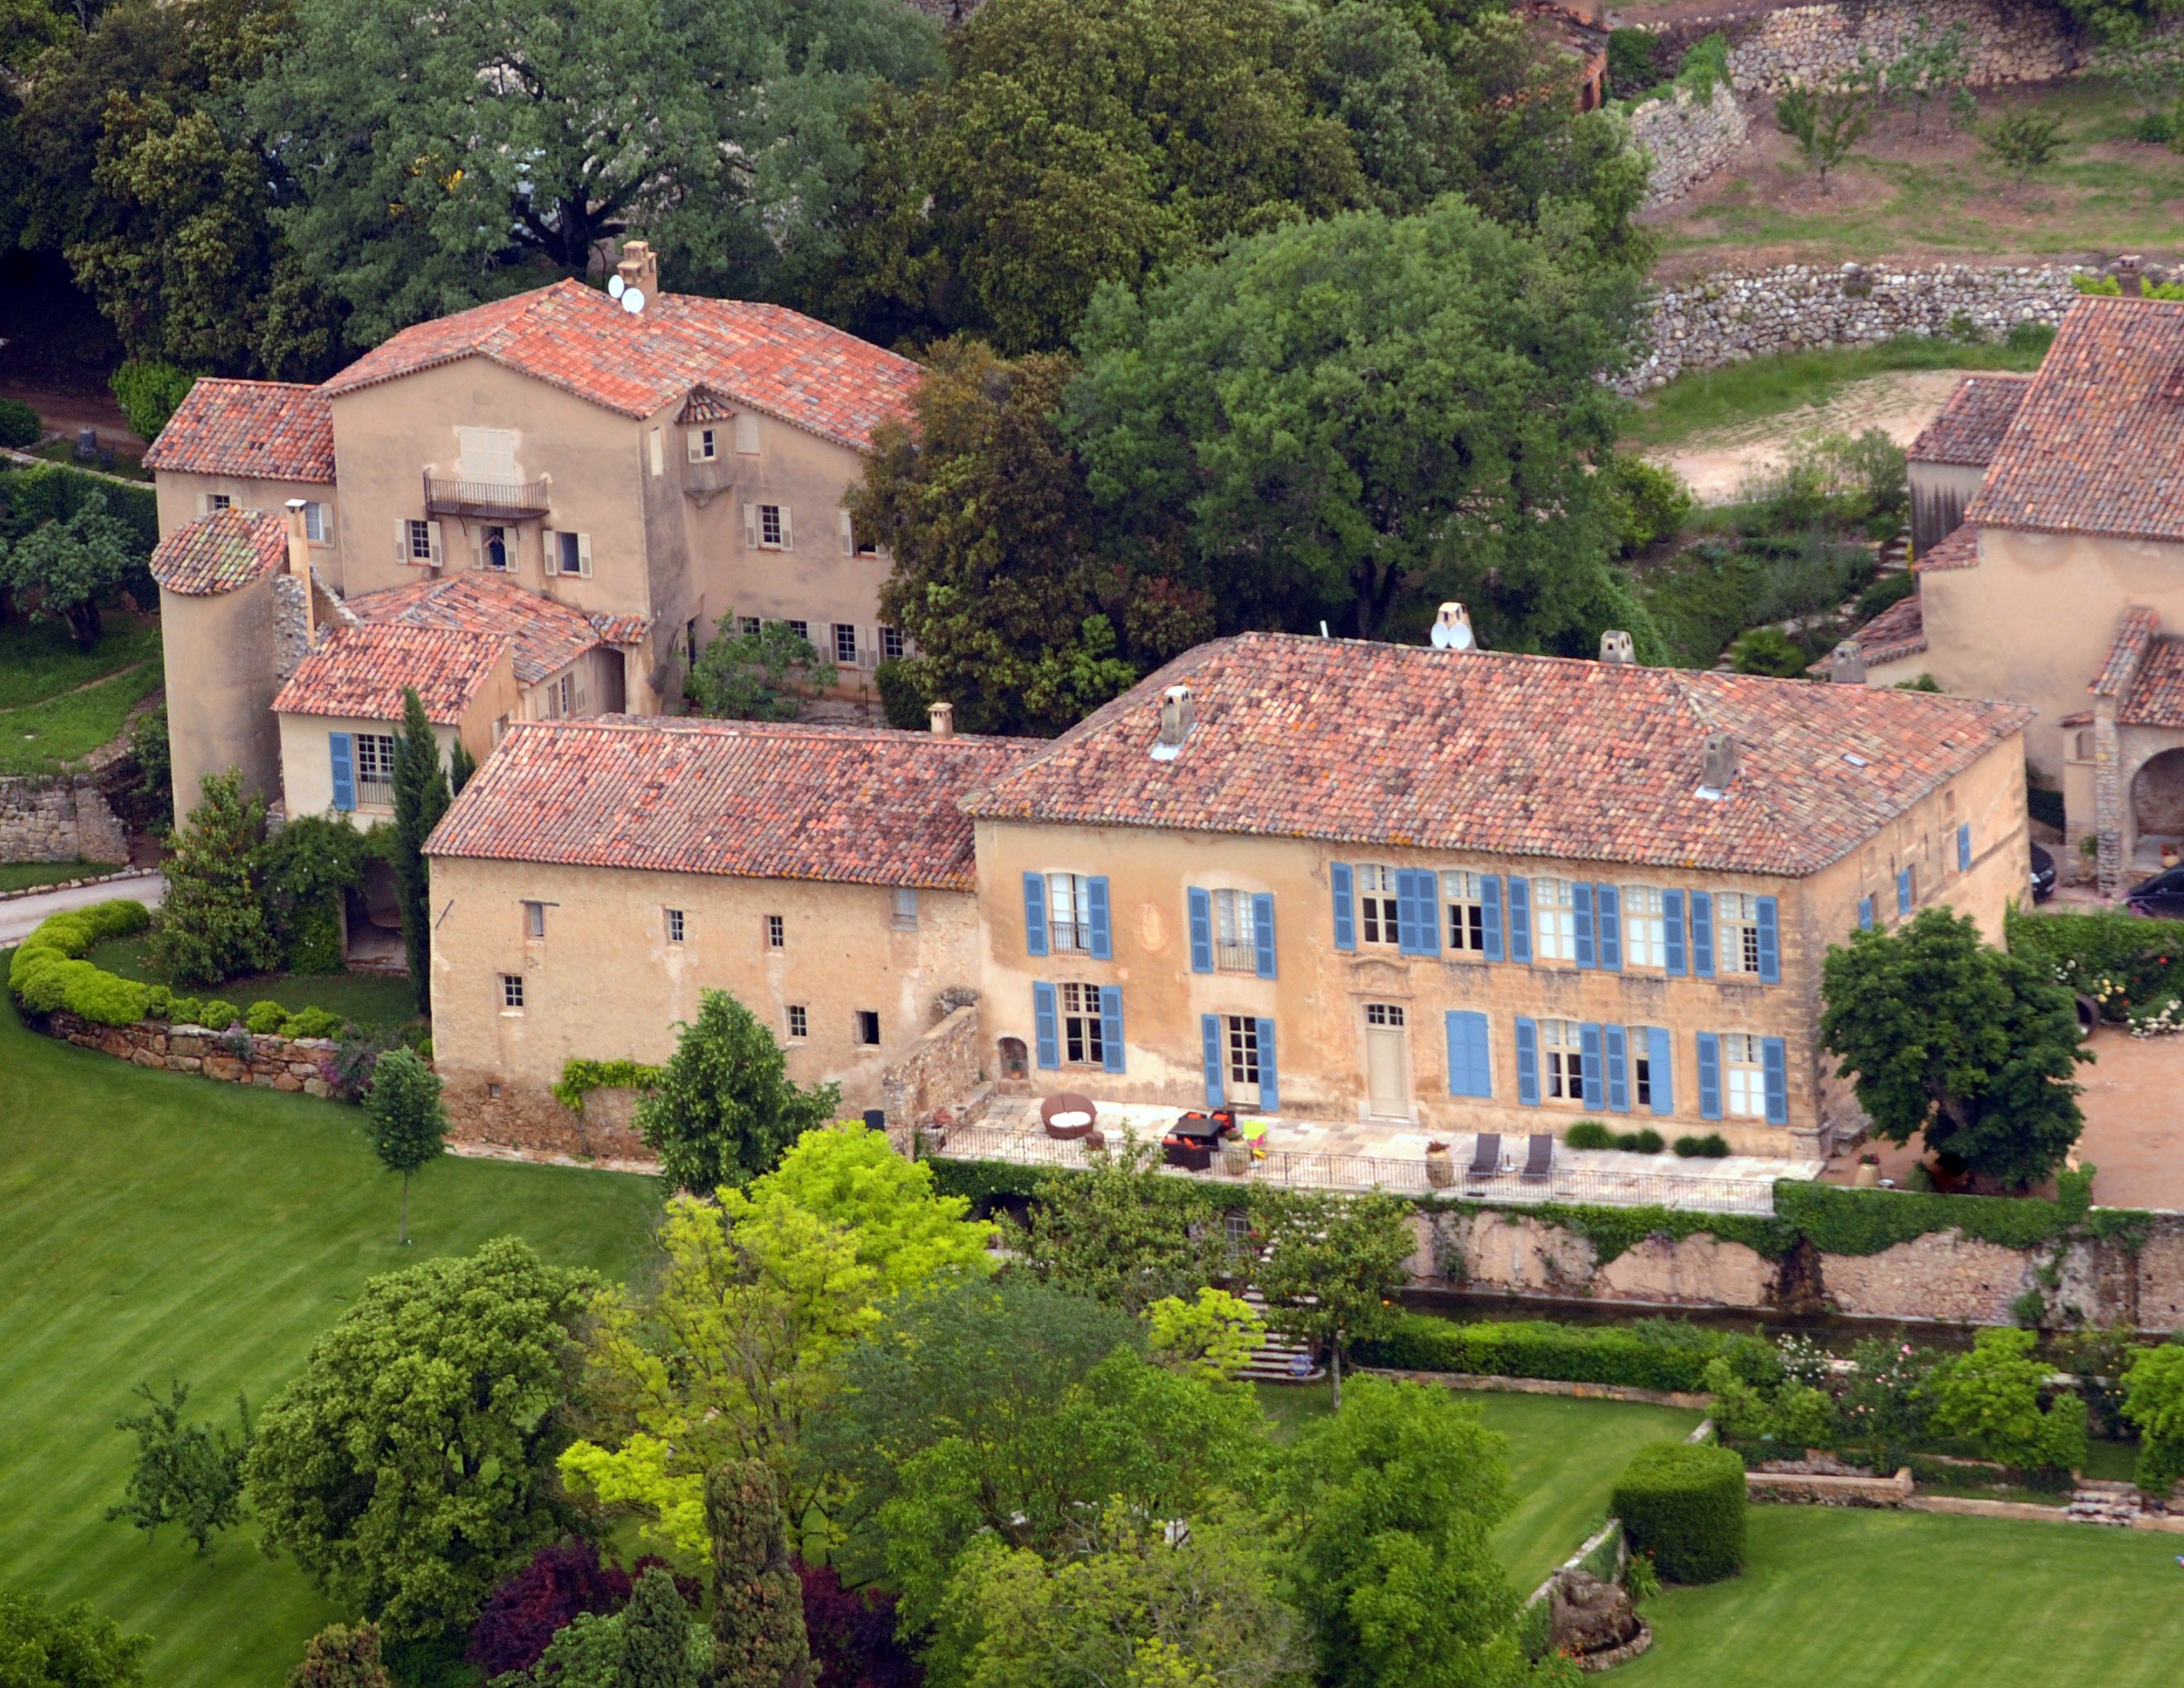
column 20, row 876
column 1564, row 1457
column 152, row 1222
column 1911, row 1600
column 38, row 659
column 45, row 737
column 370, row 999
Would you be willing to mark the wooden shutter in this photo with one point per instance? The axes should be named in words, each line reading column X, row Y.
column 1770, row 941
column 1270, row 1082
column 1046, row 1024
column 1702, row 934
column 1709, row 1075
column 1589, row 1045
column 788, row 538
column 1346, row 905
column 693, row 444
column 847, row 537
column 432, row 536
column 1520, row 921
column 1865, row 914
column 1774, row 1064
column 1581, row 907
column 1202, row 929
column 1527, row 1062
column 1417, row 910
column 1489, row 908
column 1034, row 893
column 550, row 551
column 750, row 528
column 341, row 748
column 402, row 540
column 1672, row 934
column 1263, row 932
column 1111, row 1028
column 1661, row 1069
column 477, row 548
column 1209, row 1041
column 1469, row 1064
column 1095, row 913
column 584, row 555
column 1902, row 891
column 1607, row 917
column 1965, row 847
column 1615, row 1057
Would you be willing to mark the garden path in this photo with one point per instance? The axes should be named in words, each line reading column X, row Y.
column 1715, row 464
column 19, row 914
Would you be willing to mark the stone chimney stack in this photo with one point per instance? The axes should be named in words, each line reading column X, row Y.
column 1720, row 765
column 942, row 716
column 1846, row 665
column 640, row 268
column 2130, row 273
column 299, row 565
column 1615, row 646
column 1178, row 713
column 1452, row 628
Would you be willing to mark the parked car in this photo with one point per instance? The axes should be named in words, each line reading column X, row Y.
column 2162, row 896
column 2043, row 875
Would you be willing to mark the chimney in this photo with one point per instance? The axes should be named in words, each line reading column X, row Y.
column 2130, row 271
column 639, row 268
column 1452, row 628
column 943, row 720
column 299, row 565
column 1176, row 716
column 1846, row 666
column 1720, row 767
column 1615, row 646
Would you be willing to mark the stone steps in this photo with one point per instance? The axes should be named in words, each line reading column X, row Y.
column 2096, row 1501
column 1272, row 1361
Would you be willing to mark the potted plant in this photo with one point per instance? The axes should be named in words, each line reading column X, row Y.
column 1867, row 1176
column 1440, row 1166
column 1236, row 1156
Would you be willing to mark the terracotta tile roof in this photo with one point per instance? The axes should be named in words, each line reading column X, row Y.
column 1897, row 631
column 258, row 430
column 2134, row 633
column 1521, row 755
column 573, row 336
column 1972, row 423
column 1958, row 549
column 622, row 629
column 361, row 671
column 546, row 636
column 221, row 552
column 2095, row 447
column 2156, row 696
column 861, row 804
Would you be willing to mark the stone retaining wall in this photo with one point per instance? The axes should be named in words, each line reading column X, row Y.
column 1578, row 1391
column 530, row 1120
column 59, row 819
column 1804, row 1489
column 1688, row 142
column 1772, row 47
column 272, row 1064
column 941, row 1070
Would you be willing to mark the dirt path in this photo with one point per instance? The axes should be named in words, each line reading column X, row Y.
column 1715, row 464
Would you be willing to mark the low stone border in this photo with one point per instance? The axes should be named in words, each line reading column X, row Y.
column 1962, row 1506
column 270, row 1061
column 1582, row 1391
column 1803, row 1489
column 72, row 885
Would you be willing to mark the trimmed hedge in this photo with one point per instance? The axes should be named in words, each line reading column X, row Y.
column 47, row 973
column 1860, row 1222
column 1682, row 1502
column 1631, row 1356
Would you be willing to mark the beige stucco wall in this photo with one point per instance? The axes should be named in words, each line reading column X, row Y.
column 218, row 655
column 307, row 764
column 178, row 496
column 605, row 983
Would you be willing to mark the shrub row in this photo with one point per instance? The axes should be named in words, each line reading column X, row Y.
column 1861, row 1222
column 48, row 971
column 1683, row 1503
column 1653, row 1354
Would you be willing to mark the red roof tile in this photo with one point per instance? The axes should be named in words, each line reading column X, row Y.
column 2156, row 696
column 629, row 629
column 1958, row 549
column 255, row 430
column 574, row 338
column 1897, row 631
column 860, row 805
column 221, row 552
column 2095, row 447
column 2134, row 633
column 1972, row 423
column 361, row 672
column 548, row 637
column 1521, row 755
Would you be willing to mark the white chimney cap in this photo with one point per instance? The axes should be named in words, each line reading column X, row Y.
column 1177, row 714
column 1452, row 628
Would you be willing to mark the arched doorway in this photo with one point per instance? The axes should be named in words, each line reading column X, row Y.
column 1016, row 1061
column 2157, row 803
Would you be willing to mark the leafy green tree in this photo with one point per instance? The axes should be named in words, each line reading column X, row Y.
column 1212, row 1338
column 185, row 1473
column 509, row 142
column 461, row 765
column 72, row 563
column 153, row 792
column 1331, row 1266
column 764, row 676
column 2154, row 1399
column 1970, row 1046
column 1884, row 1405
column 69, row 1646
column 341, row 1656
column 420, row 798
column 1376, row 76
column 1351, row 419
column 655, row 1635
column 1387, row 1511
column 407, row 1467
column 212, row 923
column 759, row 1640
column 724, row 1108
column 1931, row 65
column 1991, row 1397
column 409, row 1126
column 2024, row 143
column 150, row 392
column 1122, row 1233
column 1020, row 620
column 585, row 1652
column 310, row 866
column 1825, row 123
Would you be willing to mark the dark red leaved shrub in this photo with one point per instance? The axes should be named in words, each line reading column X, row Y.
column 521, row 1616
column 852, row 1634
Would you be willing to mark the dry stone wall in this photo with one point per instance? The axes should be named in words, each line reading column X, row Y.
column 62, row 819
column 271, row 1063
column 1773, row 47
column 1687, row 140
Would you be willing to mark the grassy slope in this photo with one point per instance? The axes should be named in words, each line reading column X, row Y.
column 150, row 1223
column 368, row 998
column 57, row 703
column 20, row 876
column 1908, row 1600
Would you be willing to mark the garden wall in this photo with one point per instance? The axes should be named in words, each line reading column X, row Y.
column 942, row 1068
column 63, row 818
column 273, row 1063
column 1688, row 141
column 531, row 1121
column 1772, row 47
column 1737, row 315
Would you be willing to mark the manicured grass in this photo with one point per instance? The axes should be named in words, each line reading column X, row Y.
column 39, row 661
column 18, row 875
column 370, row 999
column 152, row 1222
column 1564, row 1457
column 1842, row 1599
column 45, row 737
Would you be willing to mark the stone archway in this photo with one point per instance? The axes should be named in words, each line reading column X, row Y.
column 2157, row 801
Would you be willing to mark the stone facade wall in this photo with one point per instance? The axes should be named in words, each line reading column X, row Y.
column 1688, row 142
column 1772, row 47
column 1734, row 315
column 62, row 819
column 272, row 1064
column 942, row 1070
column 527, row 1119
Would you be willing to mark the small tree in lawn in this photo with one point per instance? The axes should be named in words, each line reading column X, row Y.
column 725, row 1107
column 655, row 1636
column 420, row 798
column 1331, row 1269
column 71, row 564
column 341, row 1656
column 212, row 923
column 1825, row 123
column 759, row 1638
column 185, row 1473
column 409, row 1126
column 1947, row 1036
column 2024, row 143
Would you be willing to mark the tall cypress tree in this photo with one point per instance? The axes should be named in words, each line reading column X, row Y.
column 758, row 1606
column 655, row 1636
column 420, row 798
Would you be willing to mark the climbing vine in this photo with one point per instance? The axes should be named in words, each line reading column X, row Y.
column 581, row 1076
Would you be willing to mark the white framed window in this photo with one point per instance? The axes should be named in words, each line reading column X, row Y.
column 420, row 540
column 1376, row 905
column 534, row 920
column 674, row 926
column 374, row 769
column 1464, row 895
column 769, row 528
column 1743, row 1076
column 1241, row 1038
column 1083, row 1038
column 1069, row 913
column 904, row 908
column 862, row 543
column 702, row 445
column 868, row 1028
column 511, row 993
column 801, row 629
column 1736, row 926
column 496, row 550
column 569, row 554
column 845, row 644
column 1236, row 933
column 1644, row 926
column 314, row 523
column 751, row 627
column 566, row 686
column 1561, row 1061
column 891, row 648
column 1384, row 1014
column 799, row 1022
column 217, row 501
column 1554, row 920
column 776, row 932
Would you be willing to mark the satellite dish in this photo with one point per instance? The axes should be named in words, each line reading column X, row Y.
column 1452, row 636
column 632, row 299
column 615, row 285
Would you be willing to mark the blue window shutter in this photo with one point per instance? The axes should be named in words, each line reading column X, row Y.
column 1046, row 1018
column 1702, row 934
column 1588, row 1042
column 1209, row 1035
column 1470, row 1068
column 1709, row 1076
column 1616, row 1051
column 1270, row 1082
column 1661, row 1069
column 1422, row 927
column 1407, row 911
column 1346, row 905
column 1111, row 1026
column 1490, row 914
column 1095, row 909
column 1865, row 914
column 1770, row 942
column 1608, row 915
column 1035, row 913
column 1902, row 890
column 1201, row 930
column 1527, row 1062
column 1581, row 904
column 1263, row 930
column 1520, row 920
column 1672, row 934
column 1774, row 1058
column 1964, row 847
column 340, row 746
